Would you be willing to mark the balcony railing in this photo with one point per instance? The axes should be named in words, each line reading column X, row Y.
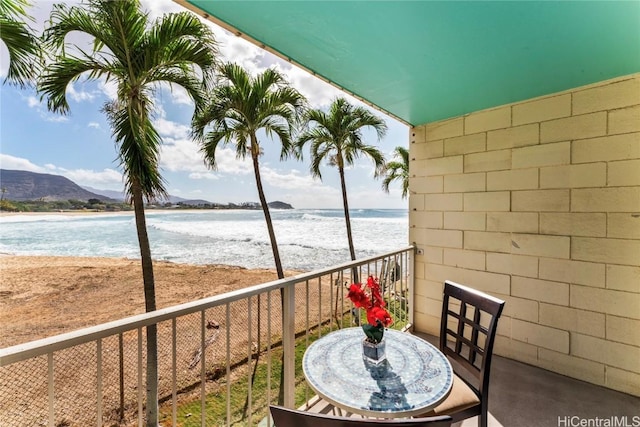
column 221, row 360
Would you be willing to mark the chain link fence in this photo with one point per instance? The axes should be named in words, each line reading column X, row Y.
column 206, row 357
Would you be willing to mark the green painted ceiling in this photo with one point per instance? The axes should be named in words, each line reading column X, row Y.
column 424, row 61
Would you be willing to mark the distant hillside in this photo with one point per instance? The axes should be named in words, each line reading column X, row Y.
column 279, row 205
column 119, row 195
column 23, row 185
column 115, row 195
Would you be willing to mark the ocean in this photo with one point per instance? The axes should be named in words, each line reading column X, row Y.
column 308, row 239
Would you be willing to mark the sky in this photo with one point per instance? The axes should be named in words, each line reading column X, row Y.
column 80, row 146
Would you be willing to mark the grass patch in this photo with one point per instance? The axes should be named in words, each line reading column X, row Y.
column 189, row 414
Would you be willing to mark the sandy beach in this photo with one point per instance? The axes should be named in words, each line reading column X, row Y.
column 42, row 296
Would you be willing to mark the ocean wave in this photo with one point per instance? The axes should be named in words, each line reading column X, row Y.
column 312, row 217
column 307, row 239
column 32, row 218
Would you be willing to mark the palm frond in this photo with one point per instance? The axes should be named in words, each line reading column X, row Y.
column 398, row 170
column 339, row 132
column 181, row 41
column 241, row 105
column 24, row 51
column 65, row 19
column 177, row 49
column 25, row 55
column 53, row 84
column 139, row 149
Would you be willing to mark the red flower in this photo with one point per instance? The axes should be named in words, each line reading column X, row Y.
column 376, row 297
column 379, row 314
column 358, row 297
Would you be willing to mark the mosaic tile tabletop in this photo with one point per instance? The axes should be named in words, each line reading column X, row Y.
column 415, row 377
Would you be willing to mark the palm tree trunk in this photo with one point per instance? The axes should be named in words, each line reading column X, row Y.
column 150, row 305
column 276, row 254
column 265, row 207
column 345, row 203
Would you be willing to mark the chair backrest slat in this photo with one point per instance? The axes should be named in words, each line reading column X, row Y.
column 469, row 342
column 475, row 350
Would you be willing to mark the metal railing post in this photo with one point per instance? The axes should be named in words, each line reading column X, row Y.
column 51, row 390
column 289, row 344
column 411, row 282
column 99, row 382
column 121, row 375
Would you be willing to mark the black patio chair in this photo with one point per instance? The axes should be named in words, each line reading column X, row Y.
column 284, row 417
column 467, row 332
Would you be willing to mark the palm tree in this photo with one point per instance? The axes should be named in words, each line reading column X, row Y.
column 22, row 45
column 337, row 137
column 240, row 106
column 398, row 170
column 137, row 55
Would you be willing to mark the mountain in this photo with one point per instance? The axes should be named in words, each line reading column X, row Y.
column 279, row 205
column 23, row 185
column 115, row 195
column 119, row 195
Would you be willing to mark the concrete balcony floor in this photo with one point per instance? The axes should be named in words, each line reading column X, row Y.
column 526, row 396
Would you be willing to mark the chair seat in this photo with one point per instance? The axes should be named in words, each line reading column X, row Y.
column 461, row 397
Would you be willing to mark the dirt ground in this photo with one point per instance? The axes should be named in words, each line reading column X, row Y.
column 44, row 296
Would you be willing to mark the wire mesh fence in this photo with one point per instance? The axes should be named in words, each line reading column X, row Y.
column 220, row 360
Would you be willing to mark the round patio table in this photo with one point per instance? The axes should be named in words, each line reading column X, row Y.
column 414, row 378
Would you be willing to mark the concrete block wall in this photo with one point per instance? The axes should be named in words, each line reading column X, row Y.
column 538, row 203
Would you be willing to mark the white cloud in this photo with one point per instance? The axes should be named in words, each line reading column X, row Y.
column 318, row 92
column 240, row 51
column 206, row 175
column 157, row 8
column 179, row 95
column 106, row 177
column 17, row 163
column 312, row 197
column 109, row 88
column 255, row 60
column 289, row 180
column 228, row 163
column 181, row 155
column 53, row 118
column 79, row 96
column 41, row 108
column 94, row 125
column 33, row 102
column 168, row 129
column 4, row 61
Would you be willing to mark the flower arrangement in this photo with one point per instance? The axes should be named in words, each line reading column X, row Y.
column 378, row 317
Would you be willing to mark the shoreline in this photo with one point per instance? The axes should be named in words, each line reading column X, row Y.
column 90, row 212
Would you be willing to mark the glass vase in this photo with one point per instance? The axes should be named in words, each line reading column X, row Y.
column 374, row 352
